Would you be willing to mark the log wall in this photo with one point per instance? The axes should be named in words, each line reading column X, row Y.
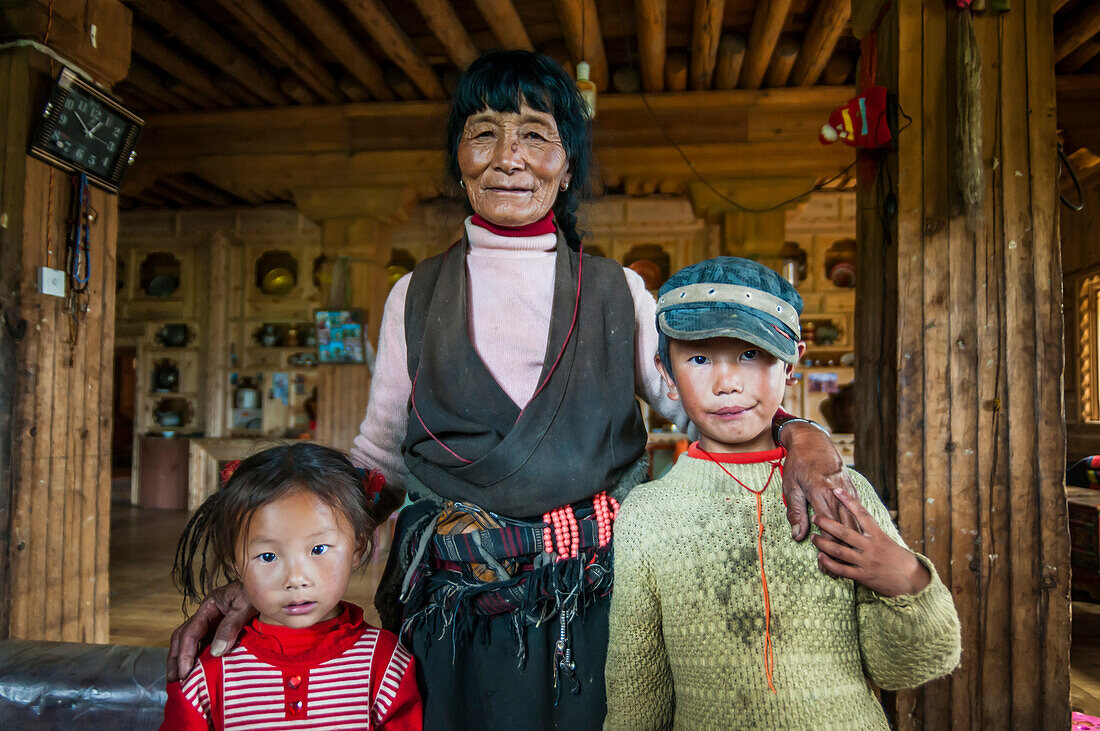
column 967, row 406
column 55, row 372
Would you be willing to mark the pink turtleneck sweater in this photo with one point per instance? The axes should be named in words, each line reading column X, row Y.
column 510, row 293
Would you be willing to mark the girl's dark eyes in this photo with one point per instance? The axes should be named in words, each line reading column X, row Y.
column 698, row 360
column 267, row 557
column 318, row 550
column 750, row 354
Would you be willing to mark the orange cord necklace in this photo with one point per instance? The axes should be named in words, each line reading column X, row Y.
column 769, row 659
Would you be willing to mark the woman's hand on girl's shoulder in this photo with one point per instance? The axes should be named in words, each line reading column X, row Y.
column 228, row 608
column 867, row 555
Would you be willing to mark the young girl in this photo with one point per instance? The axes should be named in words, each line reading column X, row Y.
column 291, row 524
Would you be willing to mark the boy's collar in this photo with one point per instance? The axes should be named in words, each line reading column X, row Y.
column 768, row 455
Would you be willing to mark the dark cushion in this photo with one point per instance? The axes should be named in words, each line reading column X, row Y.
column 72, row 685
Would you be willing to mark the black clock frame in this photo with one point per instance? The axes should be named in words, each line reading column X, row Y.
column 40, row 146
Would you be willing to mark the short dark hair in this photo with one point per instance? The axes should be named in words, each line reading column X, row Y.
column 206, row 552
column 505, row 80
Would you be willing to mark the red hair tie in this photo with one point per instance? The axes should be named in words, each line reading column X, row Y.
column 373, row 482
column 228, row 469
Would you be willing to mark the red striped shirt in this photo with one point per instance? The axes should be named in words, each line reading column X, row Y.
column 341, row 674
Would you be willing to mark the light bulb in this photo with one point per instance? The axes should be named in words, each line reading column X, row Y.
column 586, row 88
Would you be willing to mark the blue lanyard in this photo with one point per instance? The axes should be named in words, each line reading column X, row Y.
column 80, row 263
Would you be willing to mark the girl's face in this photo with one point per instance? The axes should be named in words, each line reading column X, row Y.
column 513, row 165
column 296, row 560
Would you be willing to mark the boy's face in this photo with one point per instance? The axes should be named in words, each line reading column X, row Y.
column 296, row 560
column 730, row 390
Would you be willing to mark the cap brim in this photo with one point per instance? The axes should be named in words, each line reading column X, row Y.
column 699, row 324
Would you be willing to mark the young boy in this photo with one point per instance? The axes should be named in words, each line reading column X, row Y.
column 719, row 618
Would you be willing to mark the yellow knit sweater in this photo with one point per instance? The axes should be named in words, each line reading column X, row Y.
column 686, row 646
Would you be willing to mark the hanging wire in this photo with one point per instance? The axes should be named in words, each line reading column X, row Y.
column 1064, row 160
column 691, row 165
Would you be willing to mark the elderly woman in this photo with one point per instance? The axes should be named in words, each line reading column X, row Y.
column 503, row 402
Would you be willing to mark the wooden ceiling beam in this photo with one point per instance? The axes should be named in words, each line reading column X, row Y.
column 323, row 24
column 1084, row 53
column 1078, row 28
column 209, row 144
column 293, row 86
column 284, row 46
column 154, row 51
column 445, row 24
column 651, row 21
column 171, row 194
column 706, row 31
column 581, row 26
column 204, row 193
column 731, row 55
column 180, row 22
column 829, row 21
column 767, row 24
column 505, row 23
column 779, row 70
column 151, row 85
column 396, row 44
column 676, row 70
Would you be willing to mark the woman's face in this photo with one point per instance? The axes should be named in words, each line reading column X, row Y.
column 513, row 165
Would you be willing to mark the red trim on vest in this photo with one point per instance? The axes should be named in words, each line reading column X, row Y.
column 770, row 455
column 544, row 225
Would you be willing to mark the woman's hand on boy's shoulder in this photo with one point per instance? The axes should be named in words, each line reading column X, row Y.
column 228, row 608
column 867, row 555
column 812, row 471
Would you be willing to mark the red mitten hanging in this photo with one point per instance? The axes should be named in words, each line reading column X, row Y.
column 861, row 122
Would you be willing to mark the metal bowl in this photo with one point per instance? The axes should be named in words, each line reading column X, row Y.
column 279, row 281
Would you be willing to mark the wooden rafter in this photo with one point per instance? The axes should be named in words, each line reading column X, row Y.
column 706, row 31
column 284, row 46
column 783, row 58
column 154, row 51
column 315, row 15
column 445, row 24
column 1084, row 53
column 202, row 192
column 505, row 23
column 581, row 26
column 767, row 23
column 731, row 54
column 1080, row 27
column 150, row 84
column 293, row 86
column 651, row 21
column 393, row 41
column 183, row 24
column 820, row 40
column 676, row 70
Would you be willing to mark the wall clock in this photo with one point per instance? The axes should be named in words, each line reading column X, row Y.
column 84, row 130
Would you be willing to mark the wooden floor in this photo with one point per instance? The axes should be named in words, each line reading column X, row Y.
column 145, row 607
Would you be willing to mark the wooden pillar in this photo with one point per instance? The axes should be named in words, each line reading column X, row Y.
column 55, row 368
column 357, row 223
column 960, row 349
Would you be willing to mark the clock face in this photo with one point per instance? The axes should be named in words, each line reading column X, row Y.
column 88, row 133
column 85, row 130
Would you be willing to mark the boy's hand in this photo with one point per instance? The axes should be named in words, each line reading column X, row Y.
column 869, row 557
column 230, row 605
column 811, row 472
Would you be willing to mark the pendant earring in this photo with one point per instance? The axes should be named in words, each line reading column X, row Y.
column 565, row 186
column 462, row 184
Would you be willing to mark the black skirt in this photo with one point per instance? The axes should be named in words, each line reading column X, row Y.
column 476, row 685
column 475, row 681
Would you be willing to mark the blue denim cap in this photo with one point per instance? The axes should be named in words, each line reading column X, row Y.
column 730, row 297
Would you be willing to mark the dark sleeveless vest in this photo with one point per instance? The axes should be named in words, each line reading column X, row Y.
column 576, row 437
